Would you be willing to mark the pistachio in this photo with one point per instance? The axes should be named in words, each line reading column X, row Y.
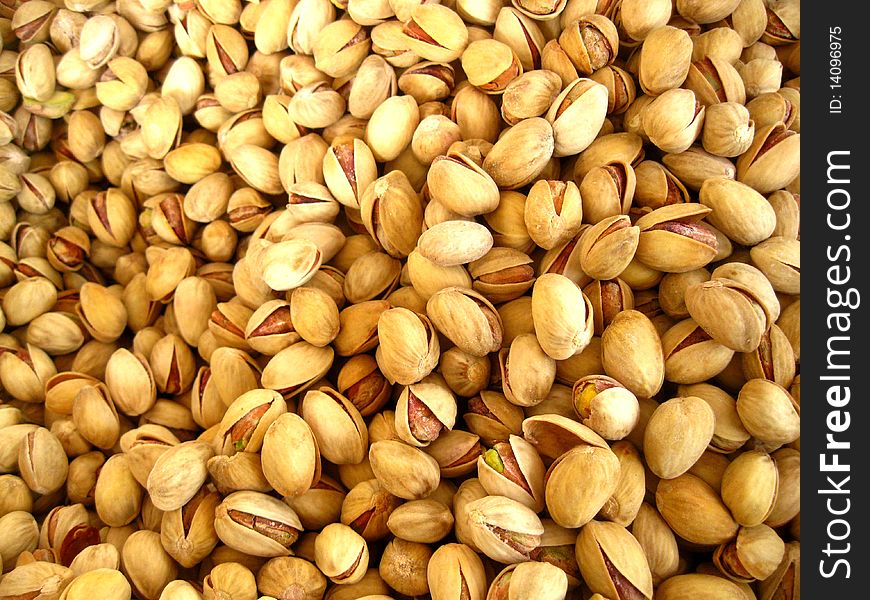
column 677, row 434
column 504, row 529
column 337, row 425
column 408, row 348
column 178, row 474
column 454, row 571
column 605, row 406
column 257, row 524
column 435, row 32
column 341, row 554
column 612, row 561
column 687, row 495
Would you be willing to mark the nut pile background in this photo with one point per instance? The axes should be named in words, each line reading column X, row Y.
column 399, row 299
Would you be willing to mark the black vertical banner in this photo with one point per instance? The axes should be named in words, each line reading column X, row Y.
column 836, row 258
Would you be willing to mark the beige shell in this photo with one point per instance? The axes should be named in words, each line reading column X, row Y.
column 527, row 371
column 695, row 511
column 776, row 167
column 632, row 353
column 498, row 525
column 339, row 429
column 467, row 319
column 571, row 505
column 454, row 243
column 409, row 348
column 577, row 115
column 521, row 154
column 403, row 470
column 604, row 549
column 692, row 585
column 562, row 316
column 290, row 456
column 676, row 435
column 750, row 486
column 729, row 312
column 665, row 57
column 740, row 212
column 607, row 247
column 532, row 471
column 178, row 474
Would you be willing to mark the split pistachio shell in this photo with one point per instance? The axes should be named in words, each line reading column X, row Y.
column 513, row 469
column 691, row 355
column 673, row 120
column 436, row 33
column 423, row 412
column 612, row 560
column 455, row 569
column 246, row 420
column 606, row 248
column 503, row 529
column 777, row 166
column 577, row 115
column 257, row 524
column 553, row 212
column 673, row 239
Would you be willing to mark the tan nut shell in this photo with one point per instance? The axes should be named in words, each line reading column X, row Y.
column 632, row 353
column 676, row 435
column 694, row 511
column 178, row 474
column 403, row 470
column 571, row 505
column 604, row 547
column 290, row 456
column 562, row 316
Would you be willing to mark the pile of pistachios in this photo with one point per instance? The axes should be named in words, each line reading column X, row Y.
column 400, row 299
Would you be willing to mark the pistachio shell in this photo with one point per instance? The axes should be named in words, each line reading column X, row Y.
column 454, row 243
column 676, row 435
column 338, row 427
column 694, row 511
column 290, row 455
column 632, row 354
column 178, row 474
column 562, row 316
column 574, row 506
column 612, row 560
